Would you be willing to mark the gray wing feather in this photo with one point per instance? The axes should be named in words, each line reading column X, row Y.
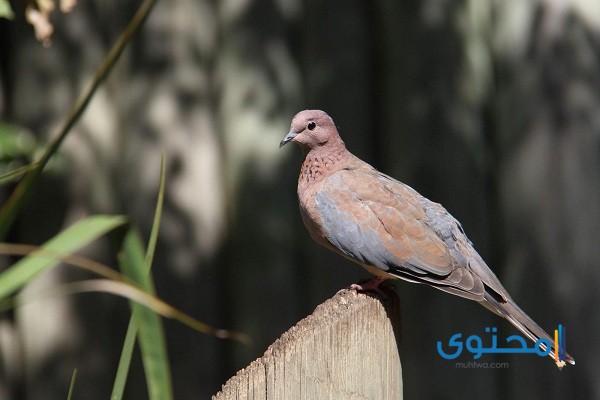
column 345, row 235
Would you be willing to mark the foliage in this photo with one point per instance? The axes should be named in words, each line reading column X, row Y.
column 135, row 259
column 5, row 10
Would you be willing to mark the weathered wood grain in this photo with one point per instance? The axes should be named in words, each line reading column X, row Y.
column 348, row 348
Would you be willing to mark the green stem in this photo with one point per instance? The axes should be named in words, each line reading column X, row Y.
column 16, row 200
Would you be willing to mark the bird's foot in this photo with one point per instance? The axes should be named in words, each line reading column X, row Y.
column 371, row 285
column 368, row 285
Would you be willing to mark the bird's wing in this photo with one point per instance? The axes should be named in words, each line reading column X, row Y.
column 451, row 232
column 378, row 221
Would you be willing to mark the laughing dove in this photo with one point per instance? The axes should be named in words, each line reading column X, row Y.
column 387, row 227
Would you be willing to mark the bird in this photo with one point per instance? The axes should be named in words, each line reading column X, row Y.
column 388, row 228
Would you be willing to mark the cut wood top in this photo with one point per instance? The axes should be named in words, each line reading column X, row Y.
column 346, row 349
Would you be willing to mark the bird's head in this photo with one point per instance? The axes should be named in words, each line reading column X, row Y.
column 312, row 129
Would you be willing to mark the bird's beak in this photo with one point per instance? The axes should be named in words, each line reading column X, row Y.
column 290, row 136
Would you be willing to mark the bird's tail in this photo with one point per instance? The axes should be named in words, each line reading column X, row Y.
column 521, row 321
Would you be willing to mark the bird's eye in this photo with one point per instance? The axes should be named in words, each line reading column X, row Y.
column 311, row 126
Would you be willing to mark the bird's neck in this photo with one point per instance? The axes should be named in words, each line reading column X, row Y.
column 321, row 162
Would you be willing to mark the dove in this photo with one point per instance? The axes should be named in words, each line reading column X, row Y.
column 388, row 228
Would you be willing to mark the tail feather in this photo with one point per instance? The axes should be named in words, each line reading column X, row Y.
column 521, row 321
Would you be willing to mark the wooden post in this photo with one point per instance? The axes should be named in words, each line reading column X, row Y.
column 348, row 348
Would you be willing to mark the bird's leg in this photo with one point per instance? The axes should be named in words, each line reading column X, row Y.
column 370, row 285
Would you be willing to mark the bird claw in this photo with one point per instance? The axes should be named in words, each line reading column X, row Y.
column 371, row 285
column 357, row 287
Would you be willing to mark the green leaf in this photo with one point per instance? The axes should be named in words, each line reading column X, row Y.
column 72, row 386
column 16, row 142
column 66, row 242
column 15, row 202
column 15, row 173
column 123, row 289
column 157, row 214
column 152, row 338
column 132, row 328
column 125, row 359
column 5, row 10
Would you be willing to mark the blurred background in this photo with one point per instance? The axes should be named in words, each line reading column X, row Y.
column 491, row 108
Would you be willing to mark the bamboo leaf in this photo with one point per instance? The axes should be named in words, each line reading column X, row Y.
column 157, row 214
column 15, row 202
column 15, row 173
column 72, row 386
column 126, row 290
column 151, row 335
column 132, row 328
column 125, row 359
column 5, row 10
column 66, row 242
